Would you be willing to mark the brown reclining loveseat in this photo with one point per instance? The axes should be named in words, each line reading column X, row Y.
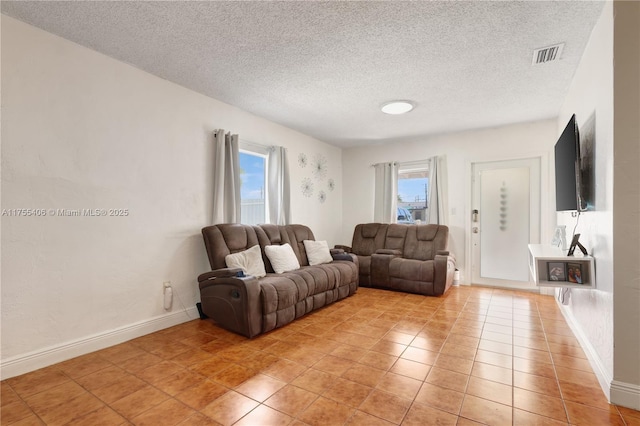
column 250, row 306
column 403, row 257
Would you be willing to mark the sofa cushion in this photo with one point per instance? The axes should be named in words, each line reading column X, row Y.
column 317, row 252
column 427, row 232
column 292, row 294
column 223, row 239
column 370, row 230
column 293, row 235
column 412, row 270
column 282, row 258
column 250, row 261
column 422, row 242
column 396, row 234
column 368, row 237
column 296, row 235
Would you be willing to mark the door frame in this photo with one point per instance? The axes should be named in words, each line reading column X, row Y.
column 547, row 213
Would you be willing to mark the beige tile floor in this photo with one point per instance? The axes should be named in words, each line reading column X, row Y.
column 475, row 356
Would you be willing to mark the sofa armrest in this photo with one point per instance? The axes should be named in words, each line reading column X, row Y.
column 343, row 248
column 389, row 251
column 443, row 252
column 445, row 266
column 233, row 302
column 344, row 256
column 219, row 273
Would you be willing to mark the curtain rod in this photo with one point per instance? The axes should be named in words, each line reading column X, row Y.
column 258, row 145
column 405, row 163
column 416, row 162
column 384, row 162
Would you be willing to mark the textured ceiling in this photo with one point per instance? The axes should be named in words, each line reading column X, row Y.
column 324, row 68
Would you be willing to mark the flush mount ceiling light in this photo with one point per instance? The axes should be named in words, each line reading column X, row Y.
column 397, row 107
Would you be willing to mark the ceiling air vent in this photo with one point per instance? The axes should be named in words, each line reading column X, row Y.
column 547, row 54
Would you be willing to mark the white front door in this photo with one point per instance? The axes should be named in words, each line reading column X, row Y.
column 505, row 218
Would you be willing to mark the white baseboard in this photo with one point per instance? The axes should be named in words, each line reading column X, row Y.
column 31, row 361
column 603, row 376
column 625, row 394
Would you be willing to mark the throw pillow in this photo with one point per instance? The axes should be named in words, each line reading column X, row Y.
column 249, row 260
column 317, row 252
column 282, row 258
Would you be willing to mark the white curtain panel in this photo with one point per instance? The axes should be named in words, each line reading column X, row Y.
column 438, row 205
column 386, row 193
column 278, row 183
column 226, row 178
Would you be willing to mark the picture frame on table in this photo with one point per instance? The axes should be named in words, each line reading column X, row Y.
column 576, row 244
column 559, row 237
column 556, row 271
column 574, row 273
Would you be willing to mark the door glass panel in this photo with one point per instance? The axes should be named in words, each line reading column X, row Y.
column 504, row 223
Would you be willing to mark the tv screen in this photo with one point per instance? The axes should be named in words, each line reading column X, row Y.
column 567, row 153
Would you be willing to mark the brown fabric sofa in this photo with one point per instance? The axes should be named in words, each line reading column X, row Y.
column 250, row 306
column 403, row 257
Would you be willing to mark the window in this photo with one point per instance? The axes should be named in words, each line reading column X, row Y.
column 413, row 192
column 253, row 188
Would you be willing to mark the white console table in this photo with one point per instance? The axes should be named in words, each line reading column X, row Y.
column 541, row 255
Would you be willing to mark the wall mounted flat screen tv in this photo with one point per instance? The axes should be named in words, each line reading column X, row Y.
column 567, row 156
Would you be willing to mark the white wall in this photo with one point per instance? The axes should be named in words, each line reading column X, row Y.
column 625, row 389
column 607, row 319
column 522, row 140
column 592, row 91
column 83, row 131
